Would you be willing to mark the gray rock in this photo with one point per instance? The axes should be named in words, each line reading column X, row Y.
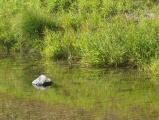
column 42, row 82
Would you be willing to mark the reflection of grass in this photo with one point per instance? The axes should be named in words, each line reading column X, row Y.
column 77, row 93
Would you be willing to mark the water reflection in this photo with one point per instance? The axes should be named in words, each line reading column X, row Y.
column 40, row 87
column 91, row 93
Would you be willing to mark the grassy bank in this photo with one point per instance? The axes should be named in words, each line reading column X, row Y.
column 97, row 33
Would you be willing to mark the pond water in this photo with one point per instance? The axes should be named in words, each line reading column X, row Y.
column 77, row 93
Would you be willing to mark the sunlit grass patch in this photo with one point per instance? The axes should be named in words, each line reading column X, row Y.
column 101, row 34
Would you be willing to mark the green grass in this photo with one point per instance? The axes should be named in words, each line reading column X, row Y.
column 120, row 33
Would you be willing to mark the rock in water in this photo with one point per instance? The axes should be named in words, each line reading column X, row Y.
column 42, row 82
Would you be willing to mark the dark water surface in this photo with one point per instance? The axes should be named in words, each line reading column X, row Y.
column 77, row 93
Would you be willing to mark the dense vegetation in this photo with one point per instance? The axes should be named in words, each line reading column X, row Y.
column 100, row 33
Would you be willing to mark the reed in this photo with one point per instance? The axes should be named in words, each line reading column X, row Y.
column 102, row 34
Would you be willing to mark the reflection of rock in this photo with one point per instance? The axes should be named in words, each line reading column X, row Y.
column 40, row 87
column 42, row 82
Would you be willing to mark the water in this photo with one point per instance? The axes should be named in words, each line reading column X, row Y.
column 77, row 93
